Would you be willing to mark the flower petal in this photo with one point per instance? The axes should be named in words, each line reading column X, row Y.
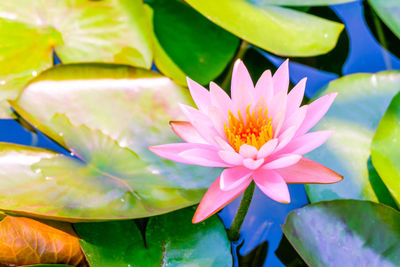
column 223, row 144
column 264, row 87
column 200, row 95
column 281, row 77
column 204, row 157
column 248, row 151
column 267, row 148
column 282, row 162
column 279, row 104
column 308, row 171
column 242, row 89
column 217, row 118
column 295, row 119
column 215, row 199
column 252, row 164
column 201, row 123
column 286, row 137
column 231, row 157
column 306, row 143
column 295, row 96
column 315, row 111
column 173, row 151
column 233, row 177
column 186, row 132
column 272, row 184
column 220, row 99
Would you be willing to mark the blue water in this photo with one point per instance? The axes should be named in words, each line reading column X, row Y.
column 266, row 216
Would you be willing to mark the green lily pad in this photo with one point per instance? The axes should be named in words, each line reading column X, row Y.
column 198, row 47
column 354, row 116
column 108, row 115
column 78, row 30
column 300, row 2
column 345, row 233
column 388, row 11
column 279, row 30
column 385, row 148
column 169, row 240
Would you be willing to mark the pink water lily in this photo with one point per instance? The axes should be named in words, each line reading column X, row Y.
column 260, row 135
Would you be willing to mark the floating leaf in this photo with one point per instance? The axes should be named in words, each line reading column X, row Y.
column 388, row 11
column 354, row 116
column 78, row 30
column 24, row 241
column 385, row 148
column 198, row 47
column 107, row 115
column 300, row 2
column 170, row 240
column 345, row 233
column 279, row 30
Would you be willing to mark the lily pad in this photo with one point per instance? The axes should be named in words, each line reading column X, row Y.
column 169, row 240
column 388, row 11
column 354, row 116
column 345, row 233
column 108, row 115
column 300, row 2
column 198, row 47
column 279, row 30
column 385, row 148
column 78, row 30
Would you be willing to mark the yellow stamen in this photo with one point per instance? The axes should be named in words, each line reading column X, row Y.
column 256, row 131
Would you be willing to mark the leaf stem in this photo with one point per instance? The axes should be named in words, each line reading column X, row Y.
column 239, row 54
column 234, row 230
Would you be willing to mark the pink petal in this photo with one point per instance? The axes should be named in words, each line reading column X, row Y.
column 204, row 157
column 173, row 151
column 215, row 199
column 295, row 119
column 200, row 95
column 286, row 137
column 223, row 144
column 306, row 143
column 233, row 177
column 295, row 96
column 272, row 184
column 201, row 123
column 277, row 122
column 186, row 131
column 279, row 104
column 252, row 164
column 267, row 148
column 264, row 87
column 242, row 88
column 217, row 118
column 282, row 162
column 308, row 171
column 220, row 99
column 231, row 157
column 248, row 151
column 281, row 77
column 316, row 110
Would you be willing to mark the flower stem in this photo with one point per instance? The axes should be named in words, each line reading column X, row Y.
column 234, row 230
column 240, row 53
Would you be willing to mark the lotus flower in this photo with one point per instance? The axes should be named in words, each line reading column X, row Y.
column 260, row 135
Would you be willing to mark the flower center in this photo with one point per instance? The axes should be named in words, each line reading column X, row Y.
column 256, row 131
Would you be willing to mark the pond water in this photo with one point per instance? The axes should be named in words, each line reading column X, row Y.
column 262, row 225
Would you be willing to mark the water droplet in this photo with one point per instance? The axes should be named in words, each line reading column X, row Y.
column 34, row 73
column 38, row 171
column 122, row 200
column 155, row 172
column 72, row 154
column 48, row 178
column 2, row 82
column 326, row 35
column 394, row 140
column 60, row 134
